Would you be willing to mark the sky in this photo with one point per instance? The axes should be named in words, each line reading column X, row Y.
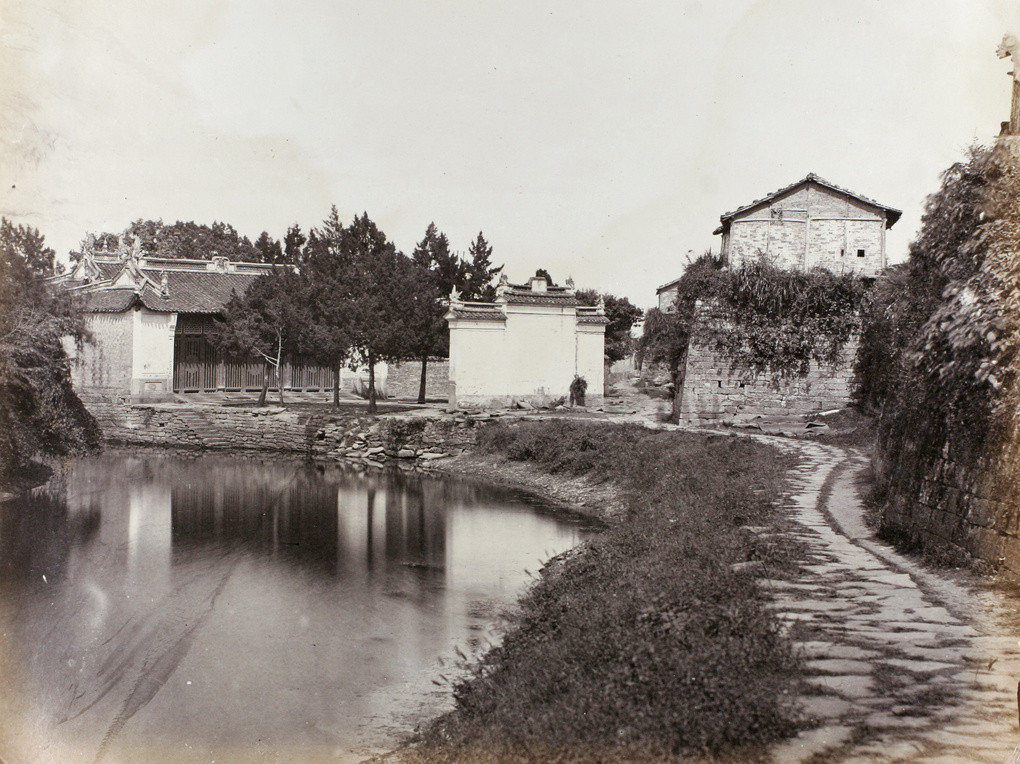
column 598, row 140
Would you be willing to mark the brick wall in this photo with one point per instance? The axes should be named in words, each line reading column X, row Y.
column 404, row 379
column 105, row 363
column 807, row 227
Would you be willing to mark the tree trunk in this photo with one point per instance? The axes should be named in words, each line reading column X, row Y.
column 421, row 387
column 336, row 387
column 265, row 384
column 279, row 365
column 371, row 384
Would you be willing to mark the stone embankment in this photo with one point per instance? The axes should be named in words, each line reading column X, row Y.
column 414, row 438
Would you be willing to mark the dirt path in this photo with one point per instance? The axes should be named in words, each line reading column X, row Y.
column 903, row 664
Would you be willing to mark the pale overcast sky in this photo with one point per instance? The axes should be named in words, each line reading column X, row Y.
column 599, row 140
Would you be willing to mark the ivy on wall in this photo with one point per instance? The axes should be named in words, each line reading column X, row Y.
column 767, row 321
column 940, row 335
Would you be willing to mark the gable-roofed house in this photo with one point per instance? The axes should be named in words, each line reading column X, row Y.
column 150, row 320
column 525, row 346
column 811, row 223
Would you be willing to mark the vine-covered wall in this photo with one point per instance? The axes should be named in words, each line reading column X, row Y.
column 941, row 338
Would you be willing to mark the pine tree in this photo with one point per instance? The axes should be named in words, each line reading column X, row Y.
column 480, row 271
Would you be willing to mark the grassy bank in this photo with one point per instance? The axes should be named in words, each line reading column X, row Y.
column 648, row 644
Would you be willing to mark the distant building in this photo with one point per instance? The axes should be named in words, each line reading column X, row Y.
column 150, row 320
column 525, row 346
column 809, row 224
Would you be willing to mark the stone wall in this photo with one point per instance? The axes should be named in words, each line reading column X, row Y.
column 405, row 378
column 713, row 392
column 372, row 440
column 953, row 503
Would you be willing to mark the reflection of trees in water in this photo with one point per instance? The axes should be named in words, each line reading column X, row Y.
column 38, row 533
column 319, row 515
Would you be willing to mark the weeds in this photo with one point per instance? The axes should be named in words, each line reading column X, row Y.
column 646, row 645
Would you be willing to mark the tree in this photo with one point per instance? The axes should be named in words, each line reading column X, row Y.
column 26, row 245
column 480, row 271
column 542, row 273
column 622, row 316
column 439, row 272
column 265, row 322
column 381, row 281
column 184, row 240
column 292, row 244
column 326, row 338
column 269, row 249
column 39, row 411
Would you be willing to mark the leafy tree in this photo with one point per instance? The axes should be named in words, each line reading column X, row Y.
column 184, row 240
column 439, row 272
column 381, row 281
column 265, row 322
column 27, row 245
column 621, row 315
column 39, row 411
column 480, row 272
column 543, row 273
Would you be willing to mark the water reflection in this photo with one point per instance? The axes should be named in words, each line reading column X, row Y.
column 204, row 604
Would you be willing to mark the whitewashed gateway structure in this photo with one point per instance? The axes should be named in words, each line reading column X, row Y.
column 526, row 346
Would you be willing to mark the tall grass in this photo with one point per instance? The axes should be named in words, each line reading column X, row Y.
column 647, row 645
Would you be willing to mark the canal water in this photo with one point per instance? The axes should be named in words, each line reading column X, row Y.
column 218, row 608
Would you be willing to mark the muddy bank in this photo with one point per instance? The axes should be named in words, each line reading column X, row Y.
column 581, row 495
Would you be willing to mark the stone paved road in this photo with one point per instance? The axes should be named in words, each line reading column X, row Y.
column 903, row 664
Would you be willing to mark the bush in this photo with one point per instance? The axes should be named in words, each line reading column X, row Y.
column 647, row 644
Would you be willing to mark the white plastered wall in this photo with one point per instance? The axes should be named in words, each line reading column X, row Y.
column 591, row 347
column 152, row 357
column 477, row 354
column 539, row 350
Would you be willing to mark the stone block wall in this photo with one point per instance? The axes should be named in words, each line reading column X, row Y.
column 954, row 503
column 713, row 392
column 404, row 379
column 372, row 440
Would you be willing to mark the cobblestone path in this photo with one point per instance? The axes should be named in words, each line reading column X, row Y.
column 902, row 664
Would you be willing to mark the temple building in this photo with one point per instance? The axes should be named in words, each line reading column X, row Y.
column 151, row 320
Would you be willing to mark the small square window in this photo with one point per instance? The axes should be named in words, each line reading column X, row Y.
column 860, row 253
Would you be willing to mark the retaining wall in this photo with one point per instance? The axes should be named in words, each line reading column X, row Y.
column 956, row 504
column 336, row 436
column 713, row 392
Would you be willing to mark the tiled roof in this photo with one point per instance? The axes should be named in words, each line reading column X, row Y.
column 592, row 319
column 195, row 292
column 188, row 292
column 109, row 300
column 518, row 296
column 476, row 313
column 892, row 214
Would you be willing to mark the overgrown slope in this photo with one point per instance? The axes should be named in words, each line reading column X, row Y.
column 647, row 644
